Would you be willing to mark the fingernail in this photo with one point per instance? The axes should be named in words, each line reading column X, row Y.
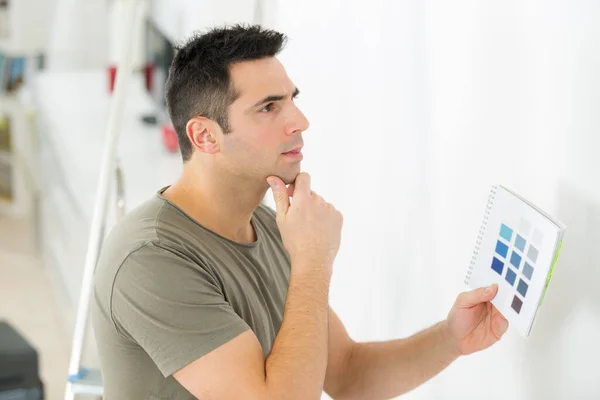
column 487, row 289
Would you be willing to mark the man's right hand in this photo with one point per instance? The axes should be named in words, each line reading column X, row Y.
column 310, row 227
column 297, row 365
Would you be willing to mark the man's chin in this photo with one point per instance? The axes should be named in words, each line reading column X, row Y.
column 287, row 178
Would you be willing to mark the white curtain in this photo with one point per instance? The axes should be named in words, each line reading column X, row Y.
column 416, row 108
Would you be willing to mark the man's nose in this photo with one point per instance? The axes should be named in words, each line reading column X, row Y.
column 297, row 123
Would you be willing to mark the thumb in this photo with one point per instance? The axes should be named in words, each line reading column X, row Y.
column 476, row 296
column 280, row 195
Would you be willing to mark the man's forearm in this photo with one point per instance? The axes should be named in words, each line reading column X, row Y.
column 383, row 370
column 298, row 361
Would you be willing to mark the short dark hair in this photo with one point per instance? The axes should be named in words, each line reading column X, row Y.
column 199, row 81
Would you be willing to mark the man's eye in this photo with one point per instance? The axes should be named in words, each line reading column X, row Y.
column 267, row 108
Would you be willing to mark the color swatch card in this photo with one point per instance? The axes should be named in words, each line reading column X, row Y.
column 517, row 248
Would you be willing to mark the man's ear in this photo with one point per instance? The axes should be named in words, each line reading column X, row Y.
column 202, row 133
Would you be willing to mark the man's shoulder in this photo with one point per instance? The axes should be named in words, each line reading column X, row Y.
column 140, row 232
column 154, row 220
column 137, row 226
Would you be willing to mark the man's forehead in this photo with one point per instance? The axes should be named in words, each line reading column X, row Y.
column 260, row 77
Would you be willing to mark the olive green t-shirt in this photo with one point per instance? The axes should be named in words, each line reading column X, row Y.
column 168, row 291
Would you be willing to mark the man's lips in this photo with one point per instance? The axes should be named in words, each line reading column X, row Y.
column 294, row 154
column 296, row 150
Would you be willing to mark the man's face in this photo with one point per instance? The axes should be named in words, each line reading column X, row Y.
column 266, row 127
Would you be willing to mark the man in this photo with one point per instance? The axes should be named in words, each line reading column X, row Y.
column 203, row 292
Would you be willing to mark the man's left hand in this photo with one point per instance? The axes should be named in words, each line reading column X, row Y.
column 474, row 323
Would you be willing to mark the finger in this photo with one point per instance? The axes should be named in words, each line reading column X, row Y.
column 495, row 311
column 291, row 189
column 499, row 325
column 280, row 195
column 302, row 185
column 476, row 296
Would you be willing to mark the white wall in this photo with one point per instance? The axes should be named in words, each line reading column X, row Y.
column 79, row 36
column 91, row 34
column 85, row 34
column 181, row 18
column 416, row 108
column 516, row 81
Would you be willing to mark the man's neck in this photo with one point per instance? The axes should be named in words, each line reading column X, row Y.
column 221, row 205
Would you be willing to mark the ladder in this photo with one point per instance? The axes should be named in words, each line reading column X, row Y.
column 83, row 381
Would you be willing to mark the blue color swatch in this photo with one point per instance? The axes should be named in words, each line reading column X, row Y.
column 497, row 265
column 527, row 270
column 510, row 276
column 520, row 243
column 522, row 287
column 515, row 259
column 506, row 233
column 501, row 248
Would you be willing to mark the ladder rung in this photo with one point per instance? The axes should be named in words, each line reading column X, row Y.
column 90, row 383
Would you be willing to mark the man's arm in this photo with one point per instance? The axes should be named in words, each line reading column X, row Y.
column 295, row 369
column 383, row 370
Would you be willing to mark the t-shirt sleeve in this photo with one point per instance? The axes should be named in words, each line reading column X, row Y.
column 172, row 307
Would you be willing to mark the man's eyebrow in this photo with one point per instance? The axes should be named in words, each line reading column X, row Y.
column 272, row 98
